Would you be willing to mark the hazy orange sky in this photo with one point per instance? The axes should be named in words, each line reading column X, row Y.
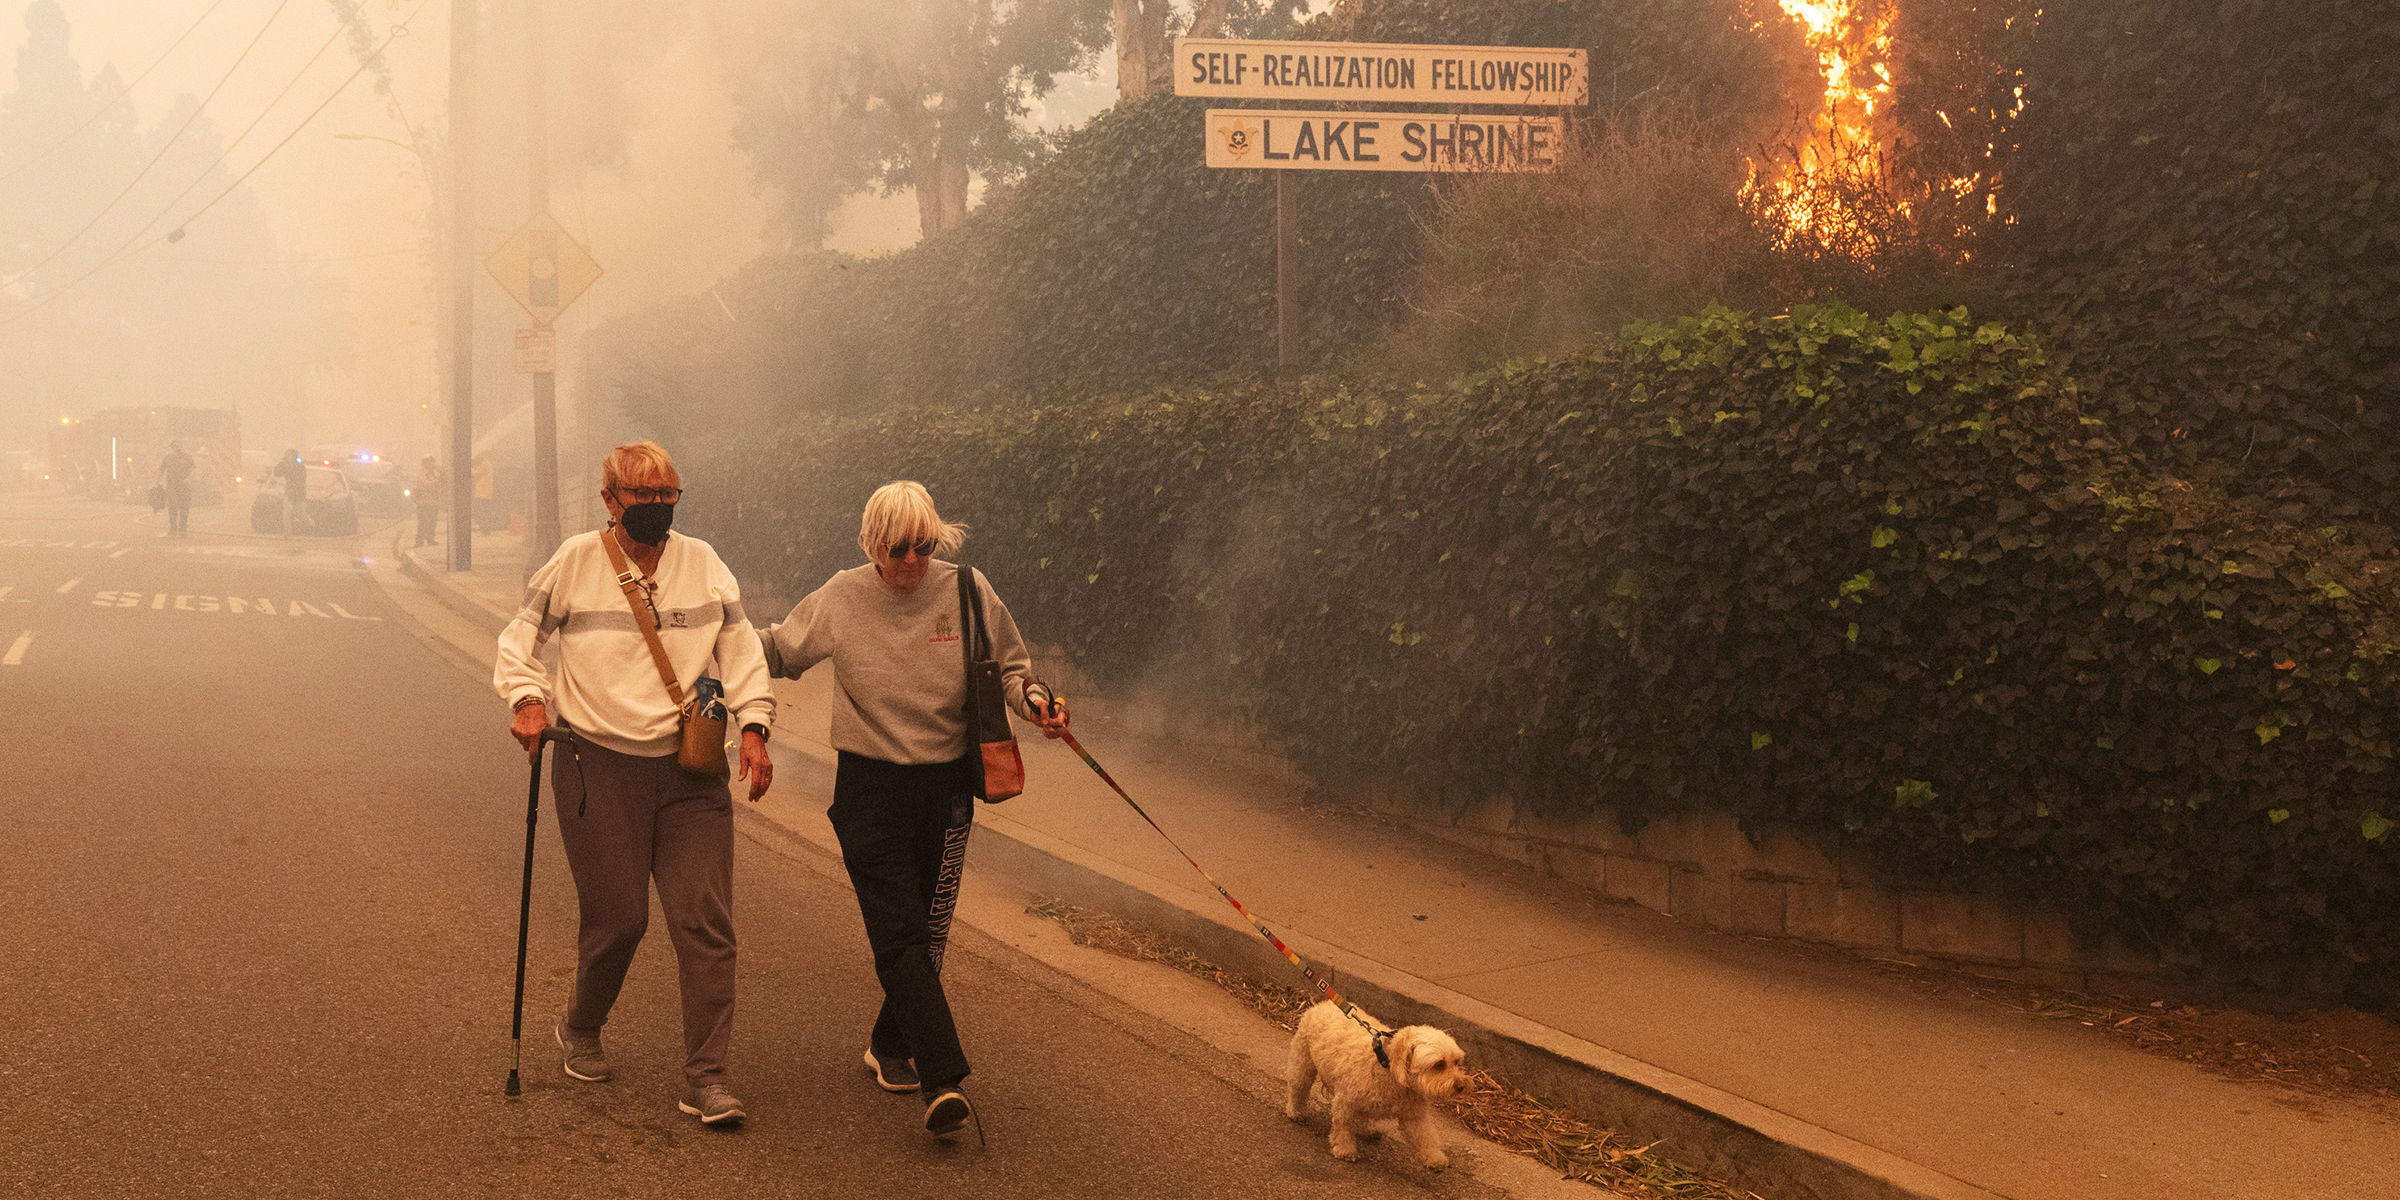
column 670, row 212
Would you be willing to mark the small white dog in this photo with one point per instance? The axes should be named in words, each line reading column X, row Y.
column 1426, row 1065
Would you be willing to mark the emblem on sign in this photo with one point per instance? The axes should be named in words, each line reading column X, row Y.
column 1240, row 137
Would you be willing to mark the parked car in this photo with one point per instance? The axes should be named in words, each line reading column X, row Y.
column 332, row 510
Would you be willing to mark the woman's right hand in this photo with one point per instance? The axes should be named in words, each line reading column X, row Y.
column 527, row 727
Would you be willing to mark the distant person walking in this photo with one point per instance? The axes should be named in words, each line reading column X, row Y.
column 294, row 474
column 175, row 475
column 903, row 802
column 428, row 495
column 627, row 812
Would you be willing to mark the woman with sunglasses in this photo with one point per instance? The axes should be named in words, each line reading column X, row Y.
column 902, row 799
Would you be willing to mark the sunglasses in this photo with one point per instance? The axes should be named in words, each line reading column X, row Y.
column 924, row 549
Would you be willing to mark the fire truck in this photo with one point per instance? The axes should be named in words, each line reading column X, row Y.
column 114, row 453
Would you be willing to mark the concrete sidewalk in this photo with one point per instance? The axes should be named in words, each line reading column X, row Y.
column 1793, row 1072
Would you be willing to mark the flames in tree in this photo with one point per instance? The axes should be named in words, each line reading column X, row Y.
column 1859, row 178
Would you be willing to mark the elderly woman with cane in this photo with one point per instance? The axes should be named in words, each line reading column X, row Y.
column 641, row 613
column 904, row 786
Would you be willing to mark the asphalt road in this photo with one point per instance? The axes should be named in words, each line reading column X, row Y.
column 259, row 853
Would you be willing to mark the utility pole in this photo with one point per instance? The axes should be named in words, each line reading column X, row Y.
column 462, row 285
column 546, row 533
column 1287, row 270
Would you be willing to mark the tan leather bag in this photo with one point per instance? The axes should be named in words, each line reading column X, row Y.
column 703, row 749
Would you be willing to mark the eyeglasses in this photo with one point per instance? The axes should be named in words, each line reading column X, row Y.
column 644, row 495
column 924, row 549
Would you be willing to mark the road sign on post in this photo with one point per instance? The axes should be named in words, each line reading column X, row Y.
column 1373, row 73
column 1377, row 73
column 1381, row 141
column 543, row 268
column 537, row 350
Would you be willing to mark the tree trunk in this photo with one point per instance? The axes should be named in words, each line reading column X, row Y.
column 1143, row 54
column 1208, row 19
column 1133, row 49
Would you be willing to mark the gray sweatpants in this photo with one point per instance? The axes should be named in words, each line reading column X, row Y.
column 626, row 821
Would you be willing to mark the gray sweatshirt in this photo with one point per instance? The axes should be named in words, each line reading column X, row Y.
column 898, row 660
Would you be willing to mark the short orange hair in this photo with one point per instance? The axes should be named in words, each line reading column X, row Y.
column 639, row 464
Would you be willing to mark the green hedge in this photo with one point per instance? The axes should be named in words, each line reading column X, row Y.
column 2207, row 228
column 1886, row 581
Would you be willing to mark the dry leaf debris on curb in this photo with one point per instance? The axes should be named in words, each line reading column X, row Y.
column 1501, row 1114
column 2335, row 1053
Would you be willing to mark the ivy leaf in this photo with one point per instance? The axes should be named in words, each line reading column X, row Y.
column 2208, row 666
column 1884, row 535
column 1760, row 741
column 2277, row 816
column 1912, row 793
column 2373, row 826
column 2268, row 730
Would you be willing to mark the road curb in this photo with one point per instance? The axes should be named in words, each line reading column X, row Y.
column 451, row 597
column 1706, row 1128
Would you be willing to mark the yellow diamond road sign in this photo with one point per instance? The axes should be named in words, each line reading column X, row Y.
column 543, row 268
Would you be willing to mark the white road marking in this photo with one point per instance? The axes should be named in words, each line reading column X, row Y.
column 122, row 553
column 68, row 586
column 16, row 653
column 214, row 604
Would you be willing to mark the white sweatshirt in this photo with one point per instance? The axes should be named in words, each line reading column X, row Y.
column 608, row 687
column 898, row 660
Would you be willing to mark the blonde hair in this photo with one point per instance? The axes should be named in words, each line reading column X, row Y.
column 639, row 464
column 902, row 511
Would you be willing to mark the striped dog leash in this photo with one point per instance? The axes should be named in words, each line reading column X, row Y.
column 1379, row 1036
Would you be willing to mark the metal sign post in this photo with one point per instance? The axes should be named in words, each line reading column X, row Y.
column 1284, row 141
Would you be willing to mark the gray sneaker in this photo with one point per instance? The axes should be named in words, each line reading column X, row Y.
column 893, row 1074
column 713, row 1103
column 582, row 1050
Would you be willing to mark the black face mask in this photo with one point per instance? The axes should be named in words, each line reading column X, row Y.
column 648, row 523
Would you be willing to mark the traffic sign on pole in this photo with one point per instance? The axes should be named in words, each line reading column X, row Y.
column 543, row 268
column 537, row 350
column 1380, row 73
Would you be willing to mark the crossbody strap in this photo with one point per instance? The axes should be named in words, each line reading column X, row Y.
column 970, row 617
column 629, row 581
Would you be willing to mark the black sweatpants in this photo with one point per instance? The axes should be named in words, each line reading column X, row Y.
column 903, row 830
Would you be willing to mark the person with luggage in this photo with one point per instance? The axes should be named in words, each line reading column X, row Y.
column 628, row 811
column 903, row 799
column 175, row 478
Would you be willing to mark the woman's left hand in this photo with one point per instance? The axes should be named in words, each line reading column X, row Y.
column 756, row 766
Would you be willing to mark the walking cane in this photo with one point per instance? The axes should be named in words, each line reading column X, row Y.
column 533, row 804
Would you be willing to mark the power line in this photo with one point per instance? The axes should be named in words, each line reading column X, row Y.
column 12, row 172
column 202, row 177
column 45, row 298
column 168, row 145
